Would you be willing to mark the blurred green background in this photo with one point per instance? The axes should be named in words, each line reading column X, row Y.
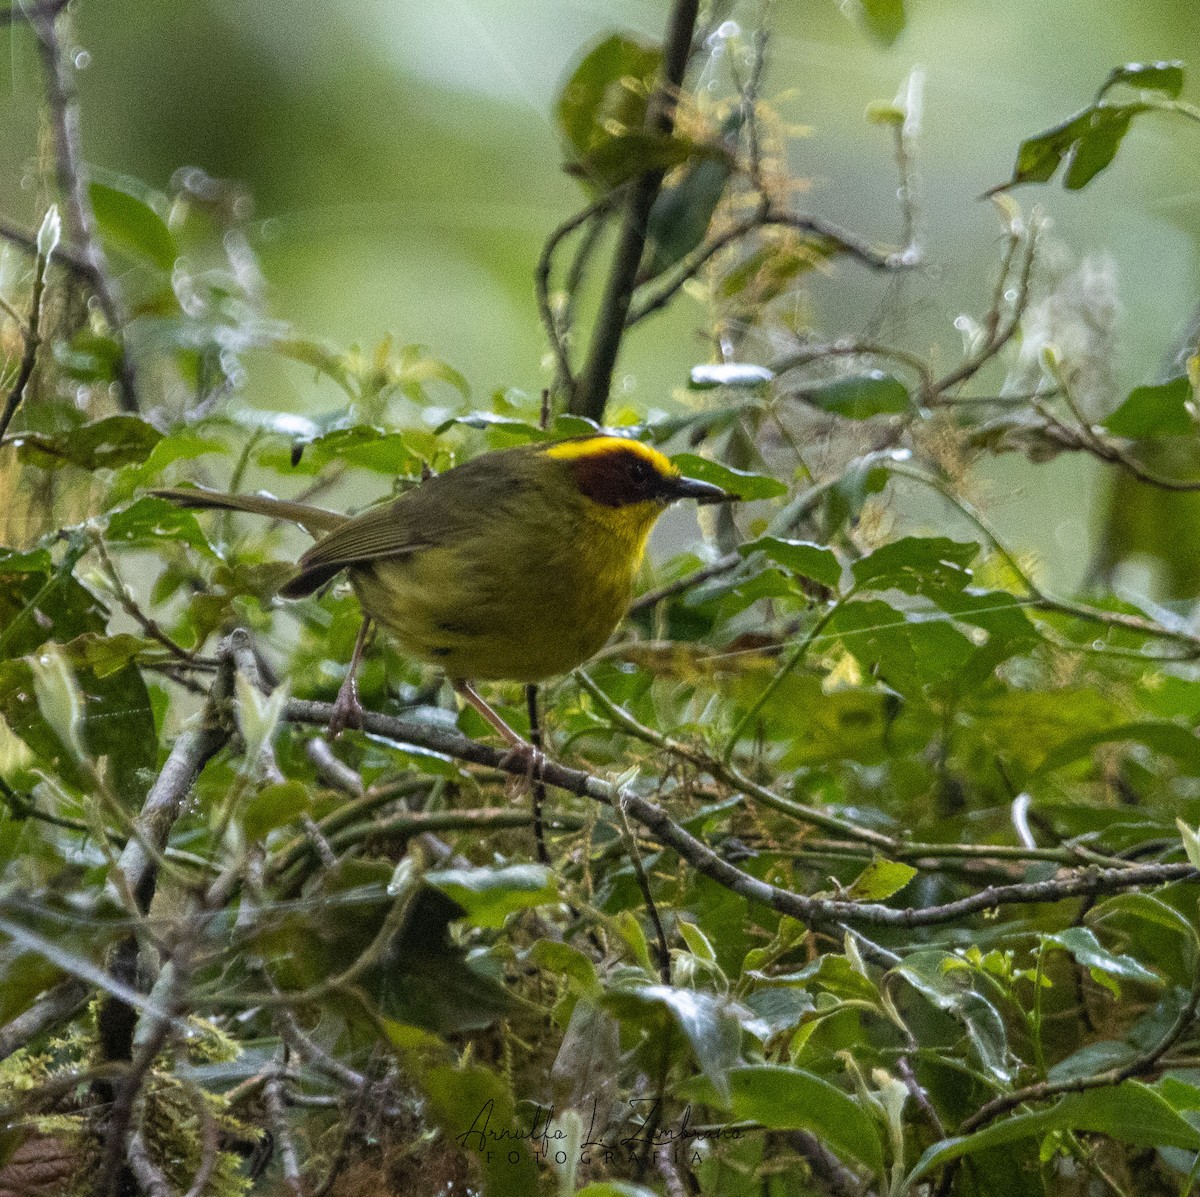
column 405, row 169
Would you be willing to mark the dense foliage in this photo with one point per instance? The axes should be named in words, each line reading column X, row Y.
column 862, row 863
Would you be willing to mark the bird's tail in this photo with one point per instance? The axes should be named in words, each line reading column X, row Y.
column 312, row 519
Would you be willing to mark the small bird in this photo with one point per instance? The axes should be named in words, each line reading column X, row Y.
column 515, row 565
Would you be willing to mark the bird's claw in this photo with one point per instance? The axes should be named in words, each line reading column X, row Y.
column 347, row 710
column 532, row 761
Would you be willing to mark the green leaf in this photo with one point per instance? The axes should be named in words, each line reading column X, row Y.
column 1040, row 156
column 561, row 958
column 802, row 557
column 362, row 445
column 910, row 653
column 1087, row 950
column 1098, row 146
column 489, row 896
column 884, row 19
column 684, row 209
column 40, row 604
column 106, row 654
column 274, row 806
column 1150, row 909
column 148, row 522
column 737, row 482
column 1088, row 141
column 474, row 1108
column 132, row 225
column 1166, row 77
column 1130, row 1113
column 729, row 374
column 89, row 356
column 784, row 1098
column 834, row 974
column 101, row 445
column 917, row 565
column 939, row 978
column 1177, row 743
column 116, row 720
column 862, row 396
column 1191, row 843
column 1154, row 411
column 880, row 879
column 616, row 159
column 606, row 95
column 710, row 1026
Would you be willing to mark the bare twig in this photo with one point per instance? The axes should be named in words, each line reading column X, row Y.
column 167, row 796
column 72, row 186
column 289, row 1160
column 558, row 330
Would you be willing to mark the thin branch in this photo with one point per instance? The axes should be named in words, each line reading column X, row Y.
column 146, row 1172
column 1140, row 1065
column 70, row 171
column 559, row 332
column 32, row 338
column 653, row 597
column 590, row 395
column 289, row 1160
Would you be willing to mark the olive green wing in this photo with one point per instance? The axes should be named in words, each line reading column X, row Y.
column 383, row 532
column 444, row 509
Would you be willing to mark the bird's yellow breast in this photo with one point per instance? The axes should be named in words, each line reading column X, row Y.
column 518, row 599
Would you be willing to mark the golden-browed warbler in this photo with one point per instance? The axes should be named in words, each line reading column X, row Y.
column 516, row 565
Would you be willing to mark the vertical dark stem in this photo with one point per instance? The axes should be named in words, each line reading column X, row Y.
column 591, row 391
column 539, row 786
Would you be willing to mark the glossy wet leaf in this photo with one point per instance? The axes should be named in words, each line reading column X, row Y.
column 737, row 482
column 729, row 374
column 709, row 1025
column 784, row 1098
column 917, row 565
column 936, row 976
column 1166, row 77
column 813, row 561
column 128, row 223
column 151, row 523
column 862, row 396
column 606, row 95
column 489, row 896
column 1154, row 411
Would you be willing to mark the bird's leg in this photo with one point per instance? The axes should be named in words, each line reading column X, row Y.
column 347, row 710
column 520, row 749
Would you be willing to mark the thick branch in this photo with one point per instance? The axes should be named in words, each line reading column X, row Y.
column 54, row 1007
column 666, row 831
column 590, row 395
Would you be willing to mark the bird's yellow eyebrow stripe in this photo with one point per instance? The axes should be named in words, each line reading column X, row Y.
column 598, row 446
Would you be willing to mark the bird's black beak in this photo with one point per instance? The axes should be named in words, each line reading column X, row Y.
column 702, row 492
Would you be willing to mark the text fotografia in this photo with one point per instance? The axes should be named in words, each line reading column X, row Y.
column 548, row 1141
